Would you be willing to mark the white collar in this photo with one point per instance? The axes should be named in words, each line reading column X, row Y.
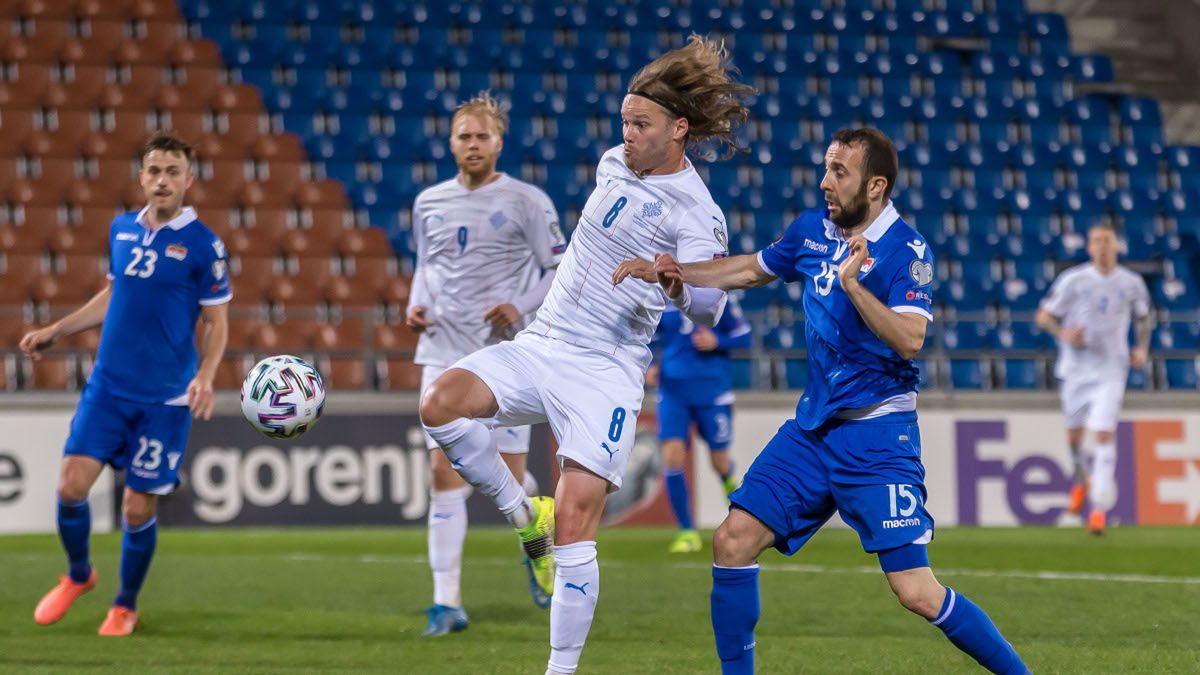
column 186, row 216
column 879, row 227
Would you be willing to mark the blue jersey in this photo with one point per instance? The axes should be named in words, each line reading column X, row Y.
column 159, row 282
column 706, row 373
column 848, row 365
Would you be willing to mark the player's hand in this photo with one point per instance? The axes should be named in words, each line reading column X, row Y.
column 1072, row 336
column 669, row 274
column 200, row 397
column 849, row 269
column 1138, row 357
column 35, row 341
column 415, row 319
column 704, row 339
column 652, row 375
column 636, row 268
column 502, row 316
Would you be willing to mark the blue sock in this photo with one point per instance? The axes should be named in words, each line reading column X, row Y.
column 677, row 491
column 970, row 629
column 734, row 614
column 137, row 548
column 74, row 530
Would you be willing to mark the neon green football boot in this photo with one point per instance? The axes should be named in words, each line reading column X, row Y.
column 537, row 539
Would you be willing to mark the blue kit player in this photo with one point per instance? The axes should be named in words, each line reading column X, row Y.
column 695, row 387
column 166, row 271
column 854, row 446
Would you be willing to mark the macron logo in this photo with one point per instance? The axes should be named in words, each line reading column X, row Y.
column 750, row 646
column 814, row 246
column 894, row 523
column 918, row 247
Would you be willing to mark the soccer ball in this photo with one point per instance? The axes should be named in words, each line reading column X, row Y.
column 282, row 396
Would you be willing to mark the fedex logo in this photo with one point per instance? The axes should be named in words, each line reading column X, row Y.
column 1022, row 473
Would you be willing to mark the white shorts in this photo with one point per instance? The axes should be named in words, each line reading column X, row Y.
column 509, row 440
column 1094, row 405
column 590, row 398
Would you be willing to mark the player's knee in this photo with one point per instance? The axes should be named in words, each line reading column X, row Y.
column 137, row 508
column 920, row 597
column 437, row 407
column 674, row 454
column 73, row 484
column 734, row 545
column 444, row 475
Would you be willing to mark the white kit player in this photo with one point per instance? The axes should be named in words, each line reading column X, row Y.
column 580, row 364
column 1088, row 312
column 487, row 248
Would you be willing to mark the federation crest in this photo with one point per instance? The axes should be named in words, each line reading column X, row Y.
column 652, row 209
column 498, row 219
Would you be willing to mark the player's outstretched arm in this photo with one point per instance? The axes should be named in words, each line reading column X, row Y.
column 739, row 271
column 212, row 349
column 88, row 316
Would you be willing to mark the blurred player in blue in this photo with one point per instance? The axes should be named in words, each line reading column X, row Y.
column 854, row 446
column 695, row 387
column 166, row 271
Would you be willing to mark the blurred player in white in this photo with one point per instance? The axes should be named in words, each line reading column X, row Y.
column 1088, row 312
column 487, row 248
column 580, row 364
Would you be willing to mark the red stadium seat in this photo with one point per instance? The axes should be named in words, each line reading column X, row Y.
column 251, row 277
column 349, row 373
column 366, row 242
column 154, row 10
column 396, row 289
column 15, row 126
column 19, row 271
column 291, row 336
column 278, row 147
column 236, row 98
column 79, row 89
column 24, row 83
column 399, row 375
column 394, row 338
column 31, row 240
column 282, row 177
column 347, row 335
column 197, row 86
column 103, row 9
column 53, row 372
column 63, row 136
column 197, row 53
column 310, row 242
column 323, row 194
column 229, row 374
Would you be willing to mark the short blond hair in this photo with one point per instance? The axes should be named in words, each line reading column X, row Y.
column 483, row 105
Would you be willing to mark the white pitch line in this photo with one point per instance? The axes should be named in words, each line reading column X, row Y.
column 799, row 568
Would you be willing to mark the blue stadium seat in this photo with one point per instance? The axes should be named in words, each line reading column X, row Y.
column 969, row 374
column 796, row 373
column 1180, row 373
column 743, row 373
column 1023, row 335
column 1093, row 68
column 966, row 336
column 1022, row 374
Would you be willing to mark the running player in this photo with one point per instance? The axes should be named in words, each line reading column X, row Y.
column 487, row 248
column 580, row 365
column 1088, row 311
column 854, row 445
column 166, row 271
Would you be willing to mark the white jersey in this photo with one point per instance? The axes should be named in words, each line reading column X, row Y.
column 477, row 249
column 1083, row 297
column 627, row 216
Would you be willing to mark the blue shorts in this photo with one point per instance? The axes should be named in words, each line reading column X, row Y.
column 147, row 440
column 869, row 470
column 676, row 413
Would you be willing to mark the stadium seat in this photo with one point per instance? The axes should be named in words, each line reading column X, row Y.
column 1022, row 374
column 969, row 374
column 1180, row 373
column 397, row 374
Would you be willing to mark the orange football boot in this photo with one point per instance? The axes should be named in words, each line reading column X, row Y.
column 119, row 622
column 1078, row 496
column 54, row 605
column 1096, row 522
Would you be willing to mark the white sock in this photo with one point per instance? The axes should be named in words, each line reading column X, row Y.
column 471, row 449
column 447, row 531
column 576, row 587
column 1104, row 469
column 530, row 484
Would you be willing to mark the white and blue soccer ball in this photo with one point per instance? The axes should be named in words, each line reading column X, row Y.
column 283, row 396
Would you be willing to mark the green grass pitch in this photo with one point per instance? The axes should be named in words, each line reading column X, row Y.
column 351, row 601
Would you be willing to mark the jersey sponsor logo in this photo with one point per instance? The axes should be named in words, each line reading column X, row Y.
column 921, row 272
column 652, row 209
column 918, row 247
column 893, row 523
column 558, row 248
column 176, row 251
column 918, row 295
column 126, row 236
column 814, row 246
column 498, row 219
